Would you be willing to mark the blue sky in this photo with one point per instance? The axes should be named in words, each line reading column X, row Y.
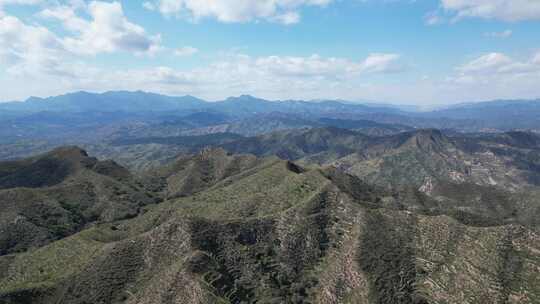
column 429, row 52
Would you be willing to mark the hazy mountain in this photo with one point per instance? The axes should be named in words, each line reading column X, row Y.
column 512, row 114
column 114, row 101
column 124, row 101
column 80, row 118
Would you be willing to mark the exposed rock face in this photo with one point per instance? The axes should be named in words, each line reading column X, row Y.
column 427, row 187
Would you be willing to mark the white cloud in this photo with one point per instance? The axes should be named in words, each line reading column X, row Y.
column 108, row 30
column 185, row 51
column 382, row 63
column 488, row 63
column 506, row 10
column 28, row 48
column 494, row 76
column 282, row 11
column 287, row 18
column 501, row 35
column 33, row 53
column 495, row 64
column 67, row 15
column 490, row 76
column 272, row 77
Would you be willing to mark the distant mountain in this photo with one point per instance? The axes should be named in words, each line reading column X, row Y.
column 81, row 118
column 500, row 114
column 114, row 101
column 296, row 144
column 125, row 101
column 489, row 113
column 88, row 117
column 189, row 143
column 367, row 127
column 254, row 125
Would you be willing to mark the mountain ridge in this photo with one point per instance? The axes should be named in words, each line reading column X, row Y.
column 277, row 232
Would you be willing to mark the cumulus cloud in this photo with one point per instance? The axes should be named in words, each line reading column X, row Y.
column 494, row 64
column 282, row 11
column 488, row 63
column 270, row 76
column 29, row 48
column 495, row 76
column 108, row 30
column 31, row 51
column 506, row 10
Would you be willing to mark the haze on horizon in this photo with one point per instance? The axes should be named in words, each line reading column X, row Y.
column 431, row 52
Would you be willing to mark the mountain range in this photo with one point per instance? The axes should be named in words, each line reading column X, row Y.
column 121, row 108
column 133, row 197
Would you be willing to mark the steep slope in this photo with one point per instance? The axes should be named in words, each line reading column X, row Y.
column 279, row 233
column 508, row 161
column 193, row 173
column 421, row 158
column 56, row 194
column 406, row 159
column 485, row 179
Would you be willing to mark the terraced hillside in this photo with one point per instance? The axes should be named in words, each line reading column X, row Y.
column 266, row 230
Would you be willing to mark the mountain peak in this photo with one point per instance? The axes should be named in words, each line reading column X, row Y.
column 75, row 156
column 247, row 96
column 211, row 153
column 244, row 98
column 33, row 99
column 44, row 170
column 72, row 151
column 427, row 140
